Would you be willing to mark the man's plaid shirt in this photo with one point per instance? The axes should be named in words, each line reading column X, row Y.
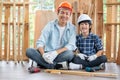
column 89, row 45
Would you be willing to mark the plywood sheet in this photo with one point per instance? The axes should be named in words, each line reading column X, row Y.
column 41, row 19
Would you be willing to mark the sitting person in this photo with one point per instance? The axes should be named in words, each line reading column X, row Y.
column 89, row 45
column 57, row 41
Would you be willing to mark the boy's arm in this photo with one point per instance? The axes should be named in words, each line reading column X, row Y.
column 99, row 53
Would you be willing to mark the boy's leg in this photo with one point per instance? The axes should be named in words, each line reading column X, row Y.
column 98, row 61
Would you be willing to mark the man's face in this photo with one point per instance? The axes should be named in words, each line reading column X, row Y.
column 63, row 15
column 84, row 27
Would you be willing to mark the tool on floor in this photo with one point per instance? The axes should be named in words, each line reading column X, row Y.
column 33, row 69
column 96, row 68
column 92, row 69
column 82, row 73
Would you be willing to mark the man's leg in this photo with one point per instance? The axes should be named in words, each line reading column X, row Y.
column 63, row 59
column 65, row 56
column 37, row 57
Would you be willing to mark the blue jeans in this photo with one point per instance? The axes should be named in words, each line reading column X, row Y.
column 36, row 56
column 85, row 63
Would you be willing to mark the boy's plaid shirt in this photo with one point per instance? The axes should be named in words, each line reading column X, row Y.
column 89, row 45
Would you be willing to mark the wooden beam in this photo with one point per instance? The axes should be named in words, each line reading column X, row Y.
column 108, row 29
column 19, row 3
column 1, row 7
column 118, row 56
column 75, row 7
column 26, row 30
column 92, row 14
column 108, row 23
column 7, row 15
column 82, row 73
column 99, row 13
column 8, row 41
column 19, row 39
column 11, row 23
column 23, row 32
column 115, row 3
column 14, row 28
column 114, row 32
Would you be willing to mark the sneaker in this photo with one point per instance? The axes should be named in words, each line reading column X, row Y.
column 96, row 68
column 62, row 65
column 102, row 66
column 92, row 69
column 74, row 66
column 33, row 69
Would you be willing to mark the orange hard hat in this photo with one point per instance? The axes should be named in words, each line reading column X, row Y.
column 65, row 4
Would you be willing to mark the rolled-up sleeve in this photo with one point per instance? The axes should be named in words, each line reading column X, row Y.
column 71, row 44
column 98, row 44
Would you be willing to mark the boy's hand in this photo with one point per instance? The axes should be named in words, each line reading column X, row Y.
column 82, row 56
column 92, row 57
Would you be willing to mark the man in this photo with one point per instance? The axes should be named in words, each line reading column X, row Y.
column 57, row 41
column 89, row 45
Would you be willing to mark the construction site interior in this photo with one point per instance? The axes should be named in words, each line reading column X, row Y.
column 21, row 24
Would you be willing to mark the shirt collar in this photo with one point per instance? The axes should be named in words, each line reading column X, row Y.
column 56, row 24
column 89, row 36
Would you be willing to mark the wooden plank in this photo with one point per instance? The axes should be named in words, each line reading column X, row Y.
column 118, row 56
column 108, row 41
column 8, row 41
column 8, row 3
column 7, row 15
column 112, row 23
column 23, row 28
column 11, row 23
column 92, row 13
column 114, row 32
column 108, row 31
column 82, row 73
column 91, row 8
column 12, row 30
column 75, row 7
column 18, row 57
column 99, row 25
column 14, row 21
column 113, row 3
column 41, row 19
column 26, row 30
column 1, row 7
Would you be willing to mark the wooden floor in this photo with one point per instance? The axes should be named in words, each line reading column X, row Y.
column 12, row 71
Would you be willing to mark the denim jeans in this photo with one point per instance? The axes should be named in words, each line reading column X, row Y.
column 37, row 57
column 85, row 63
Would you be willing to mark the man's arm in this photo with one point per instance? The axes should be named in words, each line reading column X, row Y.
column 61, row 50
column 41, row 49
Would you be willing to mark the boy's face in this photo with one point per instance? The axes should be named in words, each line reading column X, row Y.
column 64, row 15
column 84, row 27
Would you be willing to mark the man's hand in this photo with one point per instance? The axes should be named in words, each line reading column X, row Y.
column 50, row 56
column 82, row 56
column 47, row 58
column 92, row 57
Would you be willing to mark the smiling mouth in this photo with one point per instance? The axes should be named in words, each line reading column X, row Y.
column 84, row 29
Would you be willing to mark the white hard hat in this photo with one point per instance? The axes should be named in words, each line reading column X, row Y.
column 84, row 17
